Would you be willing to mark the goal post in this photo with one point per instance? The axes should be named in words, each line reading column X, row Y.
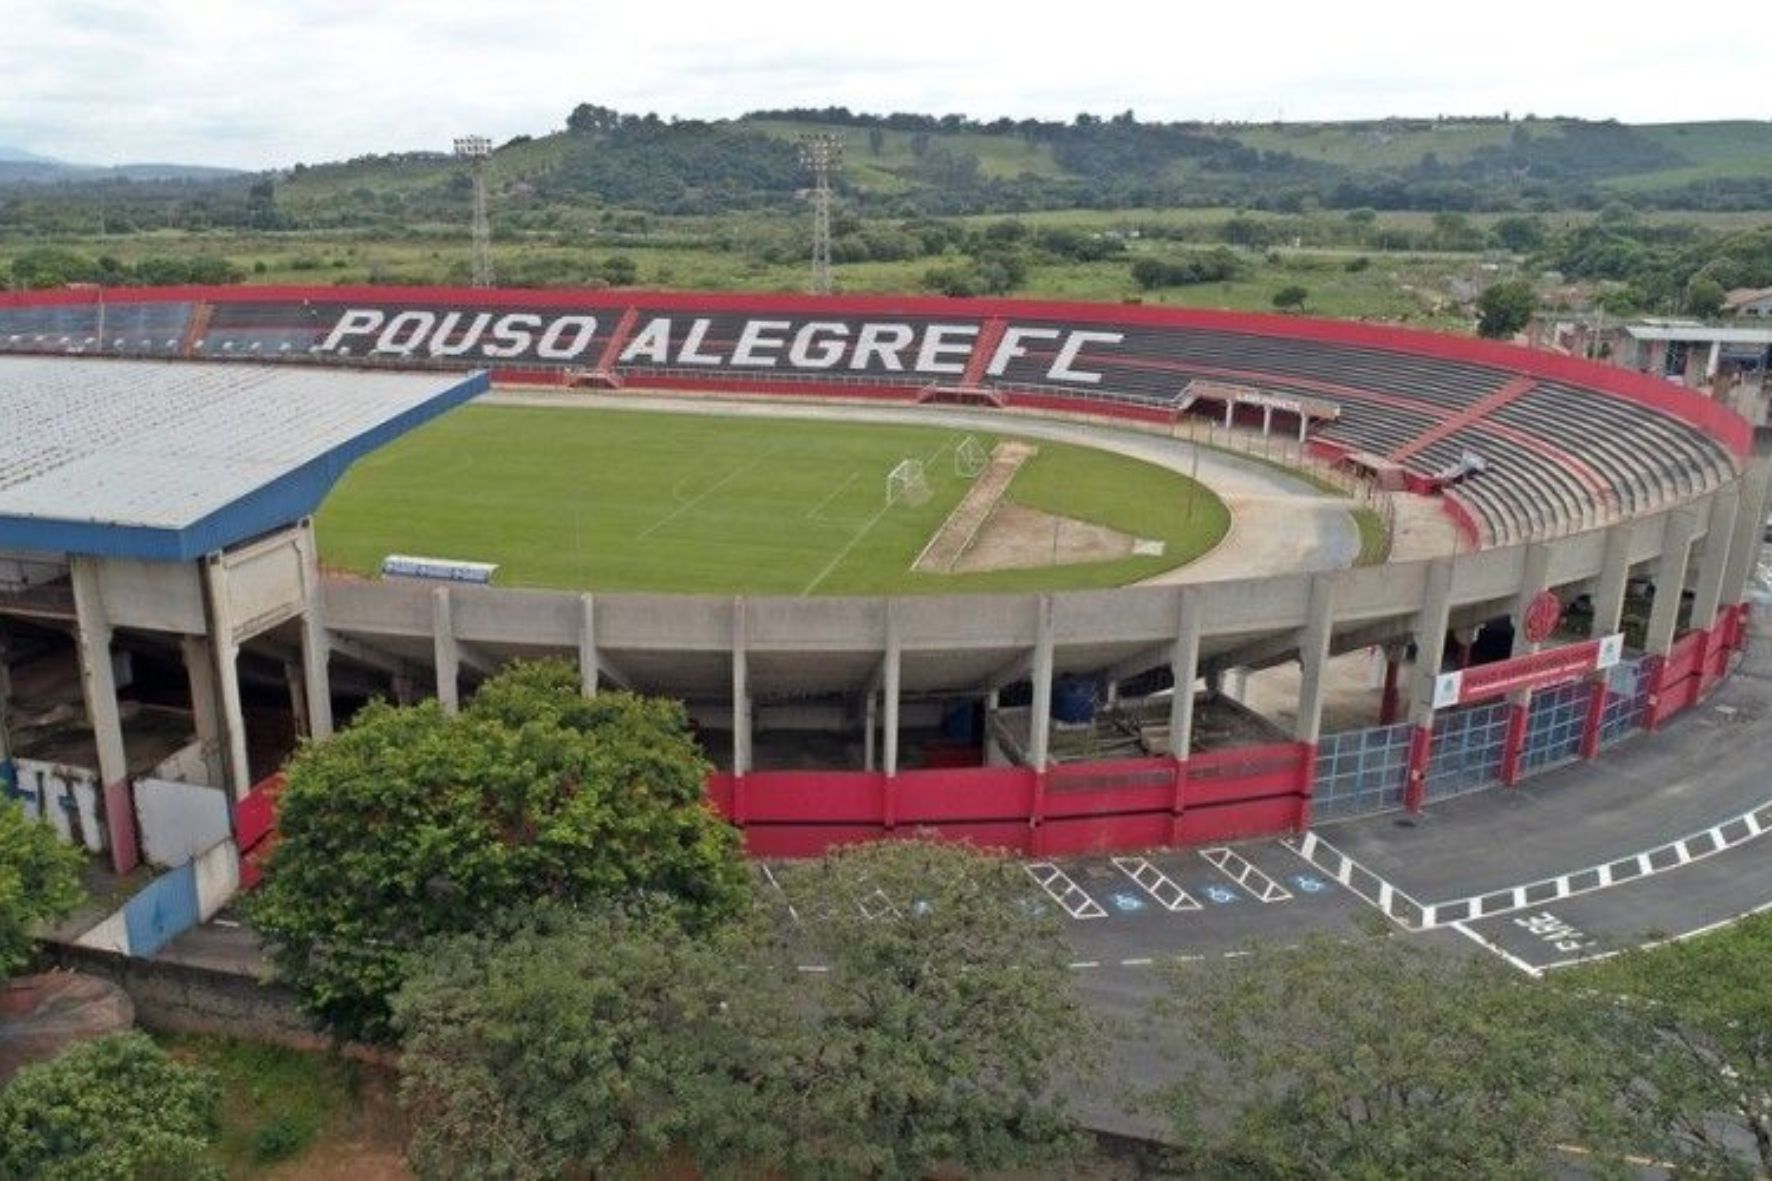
column 970, row 458
column 907, row 483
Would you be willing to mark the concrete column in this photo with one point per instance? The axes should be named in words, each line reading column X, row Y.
column 298, row 697
column 1532, row 584
column 741, row 694
column 1670, row 580
column 1238, row 687
column 1750, row 517
column 98, row 679
column 237, row 769
column 870, row 724
column 1313, row 658
column 1304, row 424
column 1184, row 667
column 1608, row 596
column 200, row 671
column 1040, row 707
column 1713, row 559
column 590, row 667
column 1230, row 410
column 1710, row 364
column 891, row 686
column 316, row 641
column 447, row 654
column 1430, row 641
column 1267, row 421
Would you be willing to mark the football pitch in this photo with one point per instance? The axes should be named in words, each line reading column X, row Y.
column 631, row 501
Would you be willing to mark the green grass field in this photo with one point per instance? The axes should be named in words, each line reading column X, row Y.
column 621, row 500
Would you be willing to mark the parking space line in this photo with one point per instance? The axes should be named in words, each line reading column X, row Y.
column 1393, row 903
column 877, row 905
column 1062, row 890
column 1157, row 884
column 1242, row 871
column 774, row 884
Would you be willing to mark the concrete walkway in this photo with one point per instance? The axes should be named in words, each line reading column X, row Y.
column 1280, row 524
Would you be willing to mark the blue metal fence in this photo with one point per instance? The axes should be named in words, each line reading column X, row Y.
column 1627, row 701
column 1555, row 720
column 1467, row 750
column 1360, row 772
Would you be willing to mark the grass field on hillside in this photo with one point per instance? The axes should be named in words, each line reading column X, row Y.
column 619, row 500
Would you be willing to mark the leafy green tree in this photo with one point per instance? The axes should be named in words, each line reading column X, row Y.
column 1504, row 308
column 944, row 1023
column 115, row 1109
column 1704, row 297
column 411, row 824
column 594, row 1041
column 1383, row 1059
column 1518, row 233
column 1290, row 298
column 1694, row 1031
column 39, row 883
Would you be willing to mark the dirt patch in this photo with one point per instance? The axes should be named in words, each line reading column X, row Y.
column 1020, row 538
column 951, row 543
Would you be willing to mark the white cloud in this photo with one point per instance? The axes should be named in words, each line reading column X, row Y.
column 270, row 82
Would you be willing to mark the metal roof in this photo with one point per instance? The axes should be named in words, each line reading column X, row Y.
column 150, row 459
column 1699, row 333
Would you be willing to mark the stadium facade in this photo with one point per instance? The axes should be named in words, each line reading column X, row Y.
column 1594, row 485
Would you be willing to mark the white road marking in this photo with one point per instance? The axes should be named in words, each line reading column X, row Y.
column 770, row 875
column 1488, row 945
column 866, row 528
column 1061, row 889
column 1242, row 871
column 1392, row 902
column 1694, row 933
column 1157, row 884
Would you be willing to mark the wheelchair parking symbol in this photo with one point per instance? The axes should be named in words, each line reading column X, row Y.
column 1221, row 894
column 1127, row 903
column 1308, row 884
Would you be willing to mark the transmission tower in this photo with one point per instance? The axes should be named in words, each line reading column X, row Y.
column 475, row 149
column 822, row 155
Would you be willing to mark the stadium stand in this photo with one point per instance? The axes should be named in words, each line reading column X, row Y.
column 1563, row 447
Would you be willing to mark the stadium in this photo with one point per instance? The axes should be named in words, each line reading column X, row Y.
column 1570, row 548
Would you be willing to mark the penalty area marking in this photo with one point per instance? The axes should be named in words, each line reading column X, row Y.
column 730, row 476
column 867, row 527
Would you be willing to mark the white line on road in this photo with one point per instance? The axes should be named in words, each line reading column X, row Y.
column 1496, row 948
column 1061, row 889
column 1157, row 884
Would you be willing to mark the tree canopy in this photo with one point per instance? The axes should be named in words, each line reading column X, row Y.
column 1694, row 1031
column 410, row 824
column 1505, row 308
column 1384, row 1059
column 937, row 1030
column 39, row 882
column 115, row 1109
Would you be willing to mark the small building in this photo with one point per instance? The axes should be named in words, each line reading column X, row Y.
column 1749, row 303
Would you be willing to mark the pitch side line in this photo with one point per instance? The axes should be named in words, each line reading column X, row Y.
column 730, row 476
column 866, row 528
column 812, row 514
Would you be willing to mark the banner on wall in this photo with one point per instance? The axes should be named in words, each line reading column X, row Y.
column 1536, row 670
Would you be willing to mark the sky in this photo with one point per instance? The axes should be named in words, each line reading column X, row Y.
column 268, row 83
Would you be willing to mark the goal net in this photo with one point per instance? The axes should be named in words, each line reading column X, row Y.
column 907, row 484
column 970, row 458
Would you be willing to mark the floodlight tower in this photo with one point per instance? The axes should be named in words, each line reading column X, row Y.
column 475, row 149
column 822, row 155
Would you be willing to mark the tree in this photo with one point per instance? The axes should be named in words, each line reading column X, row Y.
column 39, row 883
column 1704, row 297
column 411, row 824
column 1290, row 298
column 944, row 1022
column 1694, row 1032
column 1379, row 1058
column 586, row 1042
column 1518, row 233
column 115, row 1109
column 1505, row 308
